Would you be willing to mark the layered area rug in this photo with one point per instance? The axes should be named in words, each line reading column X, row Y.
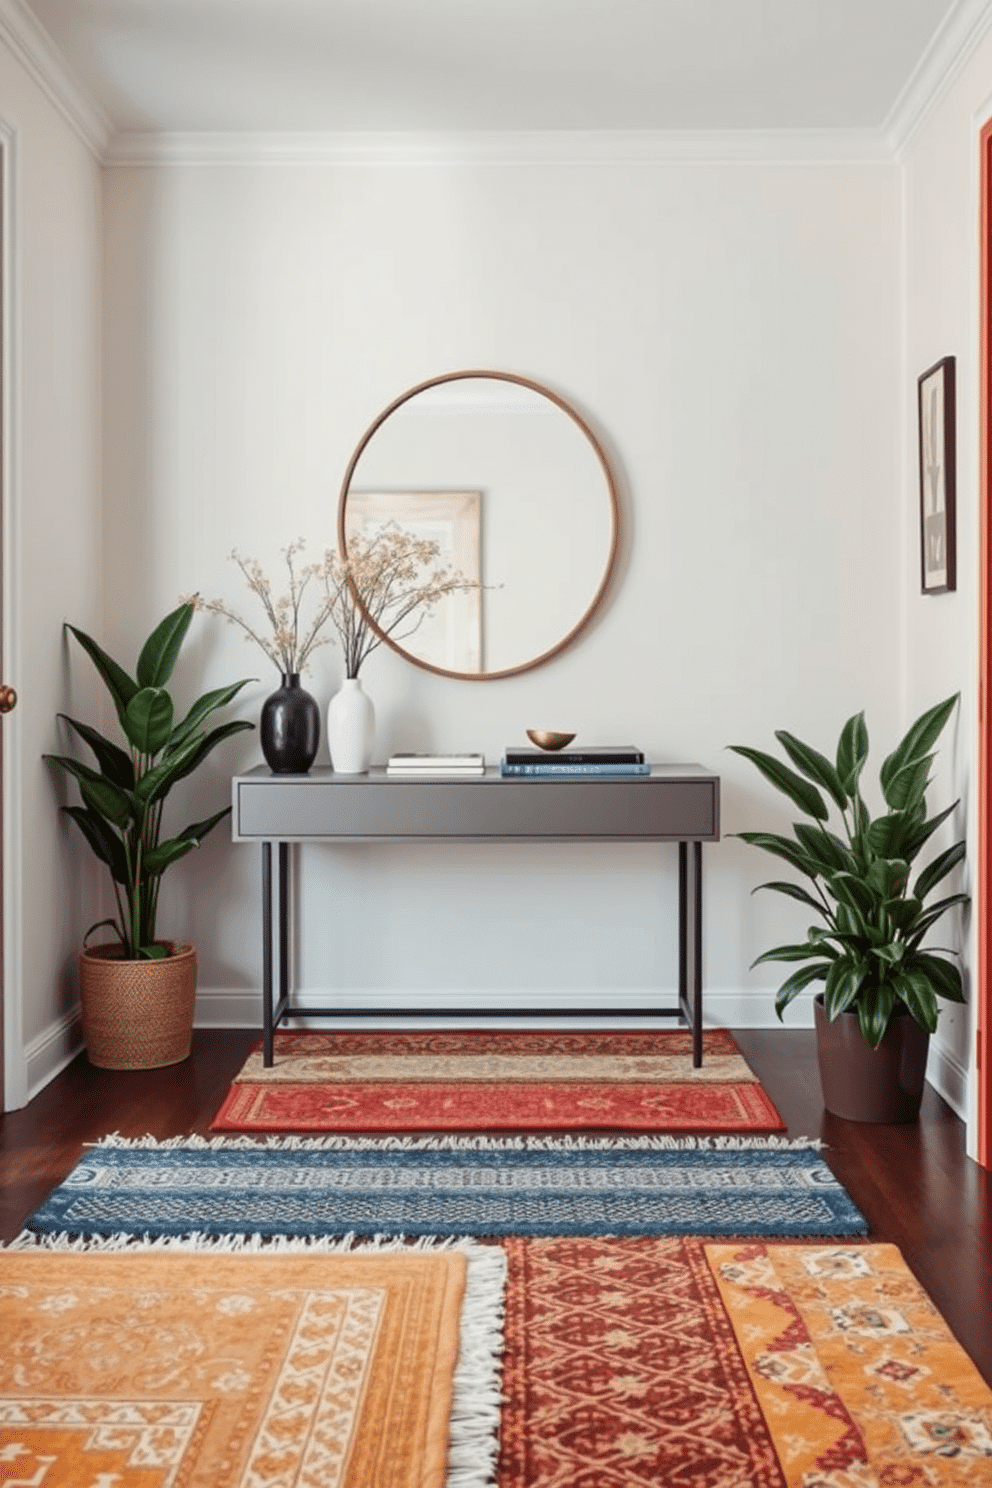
column 477, row 1080
column 453, row 1185
column 634, row 1363
column 148, row 1368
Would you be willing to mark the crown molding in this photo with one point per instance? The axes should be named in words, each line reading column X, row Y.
column 961, row 31
column 34, row 49
column 539, row 146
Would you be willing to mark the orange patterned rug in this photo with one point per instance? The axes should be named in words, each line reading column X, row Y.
column 505, row 1080
column 635, row 1363
column 155, row 1368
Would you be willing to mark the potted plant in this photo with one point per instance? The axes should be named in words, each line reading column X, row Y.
column 138, row 993
column 879, row 1003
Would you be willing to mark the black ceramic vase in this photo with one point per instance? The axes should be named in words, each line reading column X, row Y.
column 290, row 728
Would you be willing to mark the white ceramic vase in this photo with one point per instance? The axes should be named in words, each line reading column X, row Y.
column 350, row 728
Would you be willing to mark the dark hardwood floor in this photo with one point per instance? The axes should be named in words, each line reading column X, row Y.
column 914, row 1183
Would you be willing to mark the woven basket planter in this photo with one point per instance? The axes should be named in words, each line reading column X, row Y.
column 137, row 1014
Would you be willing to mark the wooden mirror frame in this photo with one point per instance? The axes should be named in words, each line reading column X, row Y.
column 614, row 500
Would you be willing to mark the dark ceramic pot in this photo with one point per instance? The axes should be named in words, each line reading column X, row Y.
column 863, row 1084
column 290, row 728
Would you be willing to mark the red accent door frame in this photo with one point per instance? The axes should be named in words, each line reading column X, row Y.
column 983, row 1073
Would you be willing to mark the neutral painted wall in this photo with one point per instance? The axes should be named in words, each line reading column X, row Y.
column 52, row 558
column 733, row 330
column 941, row 175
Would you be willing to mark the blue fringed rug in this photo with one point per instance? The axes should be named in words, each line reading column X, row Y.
column 483, row 1186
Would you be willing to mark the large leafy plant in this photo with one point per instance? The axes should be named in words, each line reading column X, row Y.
column 123, row 798
column 869, row 952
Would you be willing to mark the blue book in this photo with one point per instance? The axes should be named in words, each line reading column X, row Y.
column 550, row 772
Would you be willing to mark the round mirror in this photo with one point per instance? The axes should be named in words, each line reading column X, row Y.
column 513, row 489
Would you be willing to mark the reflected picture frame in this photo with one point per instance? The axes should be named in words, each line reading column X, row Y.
column 938, row 537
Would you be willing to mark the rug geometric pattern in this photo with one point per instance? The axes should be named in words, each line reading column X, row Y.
column 486, row 1080
column 451, row 1186
column 153, row 1370
column 637, row 1362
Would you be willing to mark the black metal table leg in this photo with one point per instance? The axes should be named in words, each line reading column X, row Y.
column 283, row 891
column 697, row 956
column 267, row 954
column 683, row 999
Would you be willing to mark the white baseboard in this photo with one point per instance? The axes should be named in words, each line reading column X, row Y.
column 950, row 1078
column 49, row 1053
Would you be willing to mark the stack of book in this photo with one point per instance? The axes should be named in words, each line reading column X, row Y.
column 420, row 766
column 595, row 759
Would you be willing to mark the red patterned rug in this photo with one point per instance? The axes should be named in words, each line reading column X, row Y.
column 506, row 1080
column 640, row 1362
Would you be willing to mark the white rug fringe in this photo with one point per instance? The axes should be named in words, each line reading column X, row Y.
column 476, row 1142
column 473, row 1442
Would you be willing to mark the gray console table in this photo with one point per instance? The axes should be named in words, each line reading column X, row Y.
column 675, row 803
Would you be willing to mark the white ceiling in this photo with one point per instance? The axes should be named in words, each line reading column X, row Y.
column 497, row 65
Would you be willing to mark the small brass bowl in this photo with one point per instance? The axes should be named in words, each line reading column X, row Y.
column 549, row 738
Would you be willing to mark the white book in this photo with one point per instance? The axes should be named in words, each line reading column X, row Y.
column 453, row 774
column 435, row 762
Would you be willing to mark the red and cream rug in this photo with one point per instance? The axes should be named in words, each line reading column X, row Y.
column 634, row 1363
column 502, row 1080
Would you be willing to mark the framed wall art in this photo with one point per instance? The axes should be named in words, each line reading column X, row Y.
column 937, row 478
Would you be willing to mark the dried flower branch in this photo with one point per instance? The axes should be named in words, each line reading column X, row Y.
column 291, row 640
column 387, row 585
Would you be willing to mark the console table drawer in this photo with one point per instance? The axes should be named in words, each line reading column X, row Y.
column 324, row 806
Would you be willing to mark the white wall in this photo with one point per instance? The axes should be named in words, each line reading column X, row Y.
column 52, row 557
column 941, row 175
column 732, row 328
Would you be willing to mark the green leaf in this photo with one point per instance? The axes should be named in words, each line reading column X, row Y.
column 800, row 791
column 120, row 686
column 921, row 832
column 815, row 766
column 844, row 981
column 917, row 741
column 781, row 847
column 874, row 1011
column 886, row 835
column 938, row 869
column 210, row 742
column 157, row 859
column 944, row 976
column 891, row 953
column 153, row 952
column 201, row 709
column 801, row 952
column 794, row 891
column 888, row 877
column 934, row 913
column 106, row 800
column 906, row 789
column 824, row 848
column 903, row 914
column 114, row 762
column 853, row 892
column 159, row 653
column 148, row 720
column 800, row 978
column 171, row 767
column 852, row 752
column 105, row 844
column 196, row 831
column 916, row 991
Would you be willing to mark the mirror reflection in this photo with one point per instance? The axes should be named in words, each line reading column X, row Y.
column 514, row 488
